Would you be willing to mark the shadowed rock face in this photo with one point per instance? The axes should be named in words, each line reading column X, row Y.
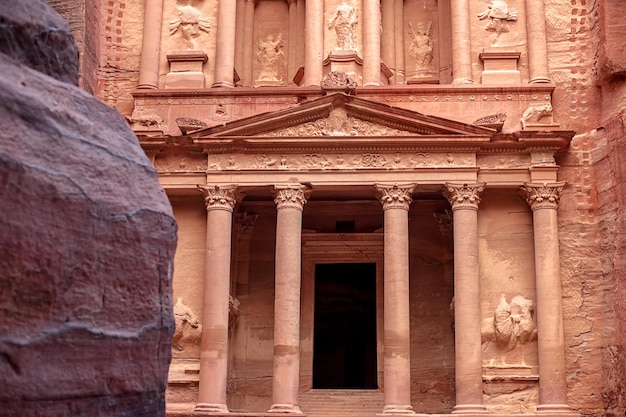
column 87, row 240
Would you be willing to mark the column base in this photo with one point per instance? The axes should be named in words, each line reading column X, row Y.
column 211, row 408
column 554, row 409
column 285, row 409
column 394, row 409
column 469, row 409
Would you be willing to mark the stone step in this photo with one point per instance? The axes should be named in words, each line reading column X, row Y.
column 341, row 403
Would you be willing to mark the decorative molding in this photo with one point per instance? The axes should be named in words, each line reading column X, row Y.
column 218, row 197
column 464, row 196
column 395, row 196
column 543, row 196
column 292, row 196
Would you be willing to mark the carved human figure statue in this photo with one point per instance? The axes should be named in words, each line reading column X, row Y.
column 270, row 56
column 344, row 21
column 421, row 47
column 189, row 24
column 185, row 321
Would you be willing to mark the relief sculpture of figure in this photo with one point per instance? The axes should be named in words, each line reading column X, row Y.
column 189, row 23
column 344, row 20
column 270, row 55
column 512, row 325
column 185, row 321
column 497, row 16
column 421, row 46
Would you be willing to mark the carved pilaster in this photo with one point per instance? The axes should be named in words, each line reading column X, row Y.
column 290, row 196
column 541, row 196
column 464, row 196
column 395, row 196
column 218, row 197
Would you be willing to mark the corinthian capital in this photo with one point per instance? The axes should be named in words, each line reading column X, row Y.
column 290, row 196
column 464, row 196
column 217, row 197
column 540, row 196
column 395, row 196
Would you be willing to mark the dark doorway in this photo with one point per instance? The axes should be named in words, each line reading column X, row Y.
column 344, row 341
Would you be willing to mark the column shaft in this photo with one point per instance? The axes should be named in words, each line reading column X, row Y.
column 543, row 199
column 292, row 62
column 286, row 377
column 461, row 47
column 300, row 10
column 388, row 42
column 248, row 41
column 314, row 43
column 537, row 46
column 397, row 335
column 220, row 202
column 239, row 35
column 225, row 47
column 399, row 31
column 151, row 45
column 467, row 343
column 371, row 42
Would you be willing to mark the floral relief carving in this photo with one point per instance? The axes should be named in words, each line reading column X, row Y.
column 464, row 196
column 219, row 197
column 315, row 160
column 542, row 196
column 290, row 196
column 395, row 196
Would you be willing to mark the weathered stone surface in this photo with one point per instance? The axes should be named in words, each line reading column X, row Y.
column 33, row 34
column 87, row 239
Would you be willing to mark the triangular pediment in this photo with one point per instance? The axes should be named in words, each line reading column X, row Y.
column 341, row 115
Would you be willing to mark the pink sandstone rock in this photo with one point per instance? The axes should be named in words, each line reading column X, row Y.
column 87, row 240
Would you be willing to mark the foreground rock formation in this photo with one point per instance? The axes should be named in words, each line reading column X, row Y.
column 86, row 240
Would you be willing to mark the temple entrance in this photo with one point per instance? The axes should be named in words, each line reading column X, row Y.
column 344, row 347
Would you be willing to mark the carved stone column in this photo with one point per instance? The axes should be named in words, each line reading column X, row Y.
column 397, row 339
column 225, row 45
column 239, row 35
column 371, row 42
column 248, row 42
column 399, row 23
column 461, row 48
column 219, row 202
column 464, row 199
column 314, row 43
column 388, row 42
column 537, row 46
column 544, row 200
column 151, row 45
column 292, row 62
column 289, row 200
column 301, row 17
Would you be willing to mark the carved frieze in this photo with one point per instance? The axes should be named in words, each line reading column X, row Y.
column 344, row 21
column 338, row 123
column 345, row 160
column 270, row 57
column 180, row 163
column 503, row 161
